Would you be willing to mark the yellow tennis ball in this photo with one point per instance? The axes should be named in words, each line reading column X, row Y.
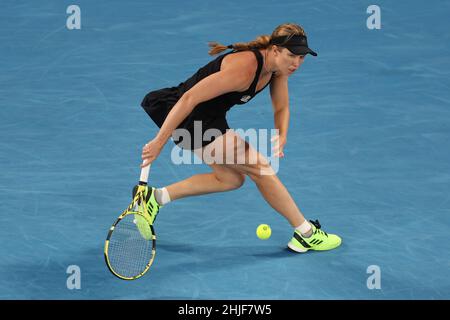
column 263, row 231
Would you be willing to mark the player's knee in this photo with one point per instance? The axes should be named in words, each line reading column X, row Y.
column 259, row 171
column 231, row 181
column 236, row 181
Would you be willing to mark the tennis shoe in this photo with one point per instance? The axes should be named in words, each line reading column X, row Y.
column 319, row 240
column 153, row 206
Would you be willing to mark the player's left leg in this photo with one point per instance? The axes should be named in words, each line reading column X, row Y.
column 307, row 235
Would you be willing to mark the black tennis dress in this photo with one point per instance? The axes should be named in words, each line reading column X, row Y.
column 211, row 113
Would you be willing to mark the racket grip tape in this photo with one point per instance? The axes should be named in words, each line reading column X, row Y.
column 144, row 175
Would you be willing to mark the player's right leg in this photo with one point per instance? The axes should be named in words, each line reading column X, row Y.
column 219, row 180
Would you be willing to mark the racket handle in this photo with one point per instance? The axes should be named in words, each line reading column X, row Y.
column 144, row 175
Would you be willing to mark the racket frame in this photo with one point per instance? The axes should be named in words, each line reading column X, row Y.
column 138, row 198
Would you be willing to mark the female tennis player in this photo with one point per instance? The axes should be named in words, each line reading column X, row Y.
column 234, row 78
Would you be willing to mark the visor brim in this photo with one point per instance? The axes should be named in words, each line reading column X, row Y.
column 301, row 50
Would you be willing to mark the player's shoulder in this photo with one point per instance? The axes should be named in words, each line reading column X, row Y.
column 243, row 62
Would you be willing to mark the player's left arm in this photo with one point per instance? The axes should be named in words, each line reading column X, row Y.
column 280, row 102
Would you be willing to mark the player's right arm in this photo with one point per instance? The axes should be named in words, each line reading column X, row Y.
column 216, row 84
column 237, row 77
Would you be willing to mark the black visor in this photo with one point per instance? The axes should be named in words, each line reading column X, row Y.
column 296, row 44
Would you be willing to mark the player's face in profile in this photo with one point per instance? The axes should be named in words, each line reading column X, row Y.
column 288, row 62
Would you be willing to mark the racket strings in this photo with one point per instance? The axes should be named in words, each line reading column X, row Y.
column 129, row 252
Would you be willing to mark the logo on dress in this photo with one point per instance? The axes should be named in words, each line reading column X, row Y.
column 246, row 98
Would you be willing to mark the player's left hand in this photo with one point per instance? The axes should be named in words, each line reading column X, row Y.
column 278, row 142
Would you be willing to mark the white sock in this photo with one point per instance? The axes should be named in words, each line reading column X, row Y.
column 304, row 228
column 162, row 196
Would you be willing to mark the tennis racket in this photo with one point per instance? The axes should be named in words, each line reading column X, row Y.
column 130, row 246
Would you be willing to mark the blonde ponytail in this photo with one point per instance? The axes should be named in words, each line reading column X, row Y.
column 217, row 48
column 261, row 42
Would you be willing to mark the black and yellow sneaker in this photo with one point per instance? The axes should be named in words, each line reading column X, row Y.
column 319, row 240
column 153, row 206
column 148, row 214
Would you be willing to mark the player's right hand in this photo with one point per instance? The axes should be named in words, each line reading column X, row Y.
column 151, row 151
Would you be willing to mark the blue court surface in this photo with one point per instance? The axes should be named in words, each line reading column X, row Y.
column 368, row 151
